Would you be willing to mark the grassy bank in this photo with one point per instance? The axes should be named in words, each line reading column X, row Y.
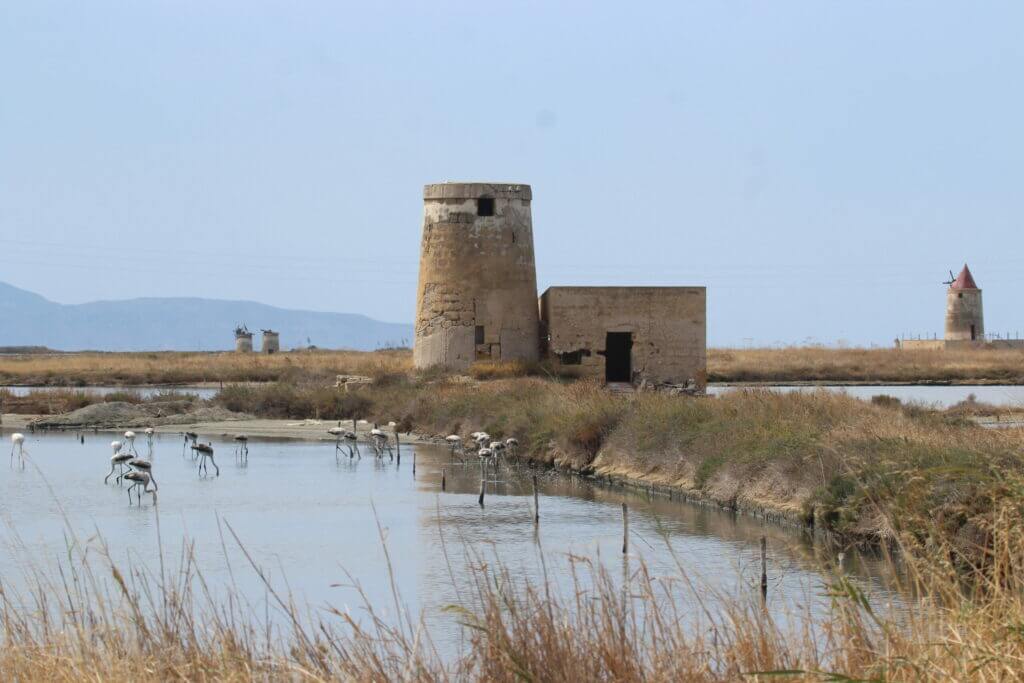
column 797, row 364
column 868, row 470
column 95, row 620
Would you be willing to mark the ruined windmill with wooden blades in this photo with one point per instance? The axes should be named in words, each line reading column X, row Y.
column 965, row 320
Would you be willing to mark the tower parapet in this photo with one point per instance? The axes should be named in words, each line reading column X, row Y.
column 477, row 293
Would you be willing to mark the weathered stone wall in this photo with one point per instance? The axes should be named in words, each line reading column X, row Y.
column 668, row 327
column 243, row 343
column 476, row 270
column 963, row 309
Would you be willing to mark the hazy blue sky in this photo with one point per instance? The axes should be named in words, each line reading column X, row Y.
column 819, row 166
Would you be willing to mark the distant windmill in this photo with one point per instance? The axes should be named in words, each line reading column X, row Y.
column 243, row 339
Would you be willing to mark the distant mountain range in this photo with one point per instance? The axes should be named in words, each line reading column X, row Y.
column 179, row 324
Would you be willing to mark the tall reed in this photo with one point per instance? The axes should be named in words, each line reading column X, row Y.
column 91, row 619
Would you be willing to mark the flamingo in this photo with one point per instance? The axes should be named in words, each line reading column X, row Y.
column 143, row 479
column 242, row 448
column 141, row 465
column 117, row 461
column 205, row 450
column 380, row 442
column 498, row 449
column 194, row 438
column 18, row 444
column 129, row 442
column 455, row 443
column 511, row 445
column 348, row 437
column 482, row 439
column 149, row 438
column 353, row 444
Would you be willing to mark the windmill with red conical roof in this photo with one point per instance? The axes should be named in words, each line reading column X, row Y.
column 965, row 320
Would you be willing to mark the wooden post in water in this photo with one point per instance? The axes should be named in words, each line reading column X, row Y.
column 444, row 479
column 482, row 483
column 355, row 427
column 398, row 453
column 414, row 464
column 764, row 569
column 625, row 529
column 536, row 502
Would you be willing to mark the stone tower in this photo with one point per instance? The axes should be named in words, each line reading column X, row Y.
column 271, row 342
column 964, row 318
column 243, row 340
column 477, row 294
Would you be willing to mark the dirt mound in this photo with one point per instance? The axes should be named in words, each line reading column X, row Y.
column 118, row 414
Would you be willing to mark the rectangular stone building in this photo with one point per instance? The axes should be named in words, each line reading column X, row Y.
column 627, row 334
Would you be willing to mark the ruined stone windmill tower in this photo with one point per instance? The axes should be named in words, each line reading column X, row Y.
column 477, row 294
column 271, row 342
column 243, row 339
column 964, row 318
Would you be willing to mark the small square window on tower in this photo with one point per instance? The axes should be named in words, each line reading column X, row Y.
column 480, row 334
column 485, row 206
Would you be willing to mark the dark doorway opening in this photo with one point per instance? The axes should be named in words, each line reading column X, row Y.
column 617, row 363
column 973, row 337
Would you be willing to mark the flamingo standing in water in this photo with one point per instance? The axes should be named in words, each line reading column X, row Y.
column 143, row 479
column 141, row 465
column 194, row 438
column 347, row 438
column 149, row 439
column 205, row 450
column 455, row 443
column 380, row 442
column 242, row 448
column 18, row 444
column 498, row 449
column 129, row 443
column 117, row 461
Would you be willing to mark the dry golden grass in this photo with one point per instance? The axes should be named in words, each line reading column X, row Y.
column 797, row 364
column 806, row 364
column 93, row 620
column 81, row 369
